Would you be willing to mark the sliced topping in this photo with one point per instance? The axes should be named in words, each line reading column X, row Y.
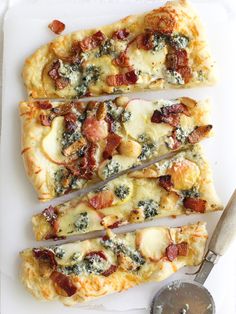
column 150, row 41
column 165, row 182
column 94, row 130
column 130, row 148
column 199, row 133
column 102, row 199
column 96, row 253
column 121, row 34
column 160, row 20
column 172, row 119
column 127, row 78
column 82, row 221
column 91, row 42
column 50, row 214
column 195, row 204
column 45, row 256
column 174, row 250
column 63, row 109
column 77, row 146
column 109, row 271
column 101, row 111
column 122, row 60
column 184, row 174
column 60, row 82
column 70, row 120
column 63, row 284
column 56, row 27
column 152, row 242
column 45, row 120
column 113, row 141
column 149, row 208
column 173, row 142
column 45, row 105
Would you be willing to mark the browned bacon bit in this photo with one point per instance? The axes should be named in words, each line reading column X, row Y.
column 64, row 283
column 176, row 143
column 61, row 82
column 186, row 73
column 62, row 109
column 174, row 250
column 171, row 118
column 199, row 133
column 122, row 79
column 115, row 225
column 70, row 122
column 53, row 73
column 165, row 182
column 110, row 122
column 195, row 204
column 113, row 141
column 109, row 271
column 161, row 20
column 75, row 47
column 121, row 34
column 46, row 256
column 98, row 253
column 56, row 27
column 45, row 120
column 102, row 199
column 176, row 108
column 50, row 214
column 176, row 58
column 91, row 42
column 43, row 105
column 122, row 60
column 145, row 41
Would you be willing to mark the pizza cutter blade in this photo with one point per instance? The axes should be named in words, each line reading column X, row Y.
column 182, row 297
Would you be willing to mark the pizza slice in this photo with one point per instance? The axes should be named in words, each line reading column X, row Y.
column 180, row 185
column 164, row 48
column 66, row 146
column 81, row 271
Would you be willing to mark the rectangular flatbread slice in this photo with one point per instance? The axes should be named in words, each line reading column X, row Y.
column 180, row 185
column 66, row 146
column 164, row 48
column 81, row 271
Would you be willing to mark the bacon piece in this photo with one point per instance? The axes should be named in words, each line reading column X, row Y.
column 98, row 253
column 91, row 42
column 45, row 120
column 174, row 250
column 94, row 130
column 43, row 105
column 115, row 225
column 144, row 41
column 110, row 270
column 70, row 122
column 195, row 204
column 113, row 141
column 165, row 182
column 177, row 143
column 199, row 133
column 102, row 199
column 122, row 61
column 86, row 167
column 121, row 34
column 60, row 82
column 62, row 109
column 186, row 73
column 50, row 213
column 176, row 108
column 172, row 119
column 45, row 256
column 177, row 60
column 56, row 27
column 110, row 123
column 122, row 79
column 64, row 283
column 161, row 20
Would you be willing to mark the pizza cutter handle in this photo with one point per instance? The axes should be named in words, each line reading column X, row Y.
column 225, row 231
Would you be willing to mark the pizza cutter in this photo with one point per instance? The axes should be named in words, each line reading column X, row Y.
column 183, row 297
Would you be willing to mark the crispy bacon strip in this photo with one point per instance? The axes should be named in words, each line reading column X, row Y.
column 176, row 108
column 174, row 250
column 121, row 34
column 50, row 214
column 60, row 82
column 171, row 118
column 177, row 143
column 63, row 282
column 102, row 199
column 110, row 270
column 122, row 61
column 165, row 182
column 113, row 141
column 91, row 42
column 43, row 105
column 56, row 27
column 70, row 122
column 127, row 78
column 98, row 253
column 45, row 256
column 195, row 204
column 199, row 133
column 144, row 41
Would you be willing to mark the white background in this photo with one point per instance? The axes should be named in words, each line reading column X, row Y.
column 25, row 30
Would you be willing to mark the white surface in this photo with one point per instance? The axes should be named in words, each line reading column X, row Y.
column 25, row 30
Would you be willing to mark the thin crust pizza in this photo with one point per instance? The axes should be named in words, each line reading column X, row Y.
column 176, row 186
column 66, row 146
column 164, row 48
column 81, row 271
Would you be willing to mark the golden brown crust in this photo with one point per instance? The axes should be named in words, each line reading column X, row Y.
column 40, row 85
column 40, row 284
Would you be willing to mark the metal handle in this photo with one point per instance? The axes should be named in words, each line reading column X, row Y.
column 225, row 231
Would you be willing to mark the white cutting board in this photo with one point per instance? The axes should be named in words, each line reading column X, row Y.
column 25, row 30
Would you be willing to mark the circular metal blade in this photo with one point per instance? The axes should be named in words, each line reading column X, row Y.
column 180, row 297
